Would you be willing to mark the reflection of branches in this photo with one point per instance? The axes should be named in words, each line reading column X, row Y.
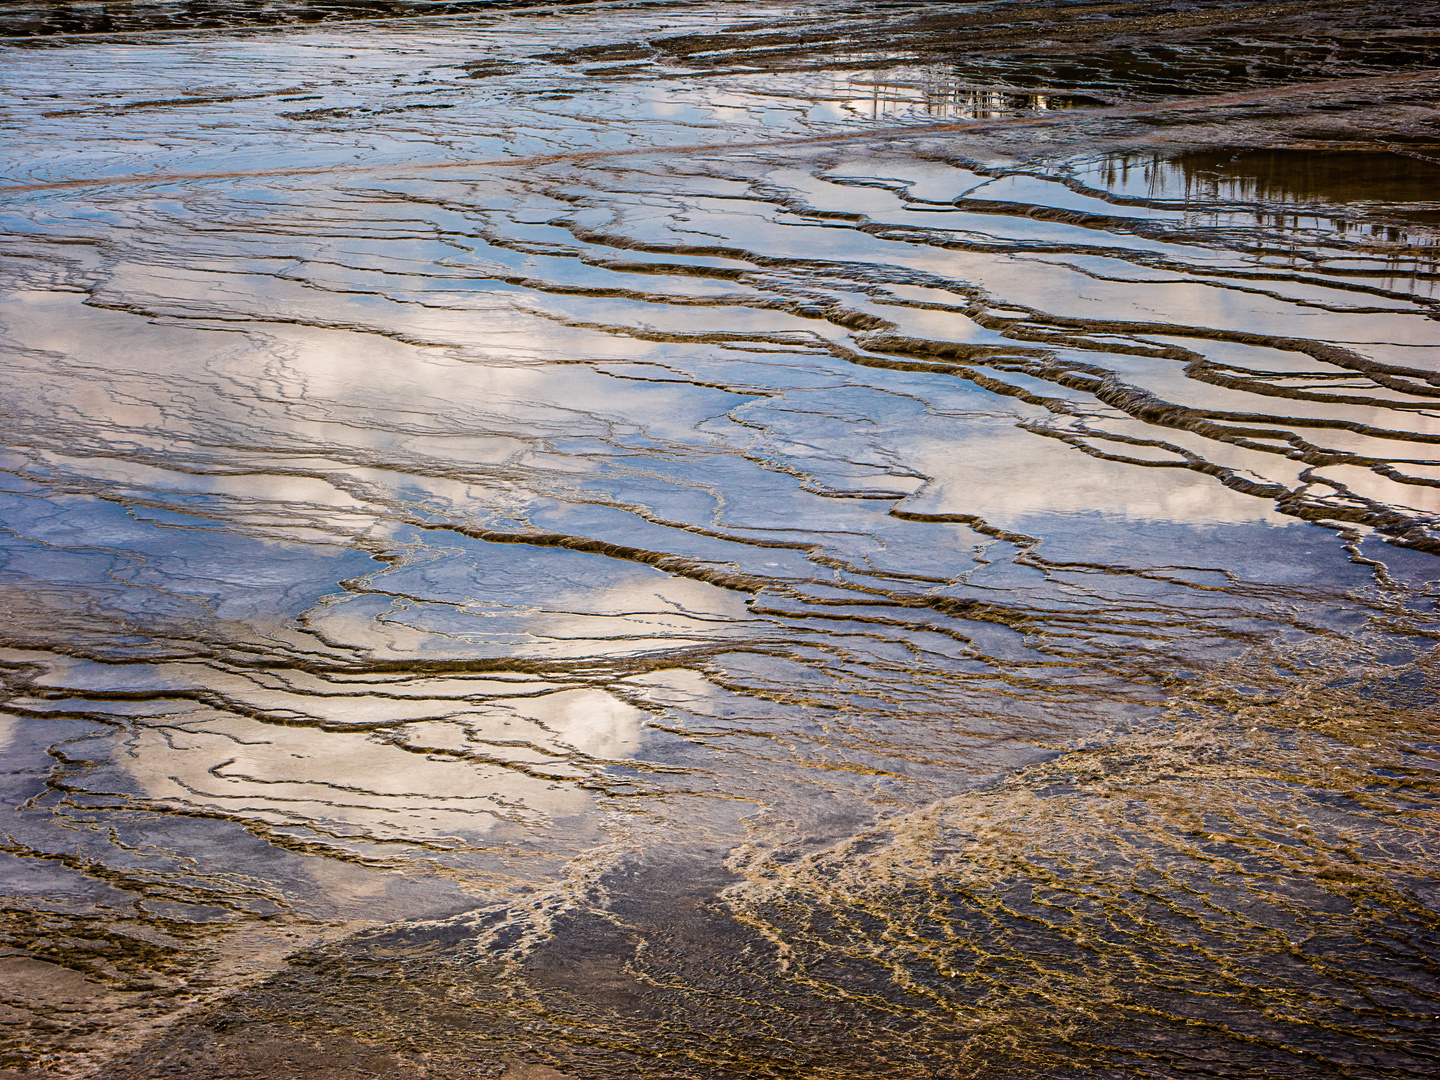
column 1365, row 198
column 944, row 98
column 1394, row 149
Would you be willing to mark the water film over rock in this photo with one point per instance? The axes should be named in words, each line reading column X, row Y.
column 714, row 540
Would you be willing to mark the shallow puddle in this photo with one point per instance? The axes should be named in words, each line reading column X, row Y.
column 714, row 540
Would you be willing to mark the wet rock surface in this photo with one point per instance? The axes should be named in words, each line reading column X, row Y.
column 714, row 540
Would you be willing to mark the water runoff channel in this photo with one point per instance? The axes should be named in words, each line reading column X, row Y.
column 716, row 540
